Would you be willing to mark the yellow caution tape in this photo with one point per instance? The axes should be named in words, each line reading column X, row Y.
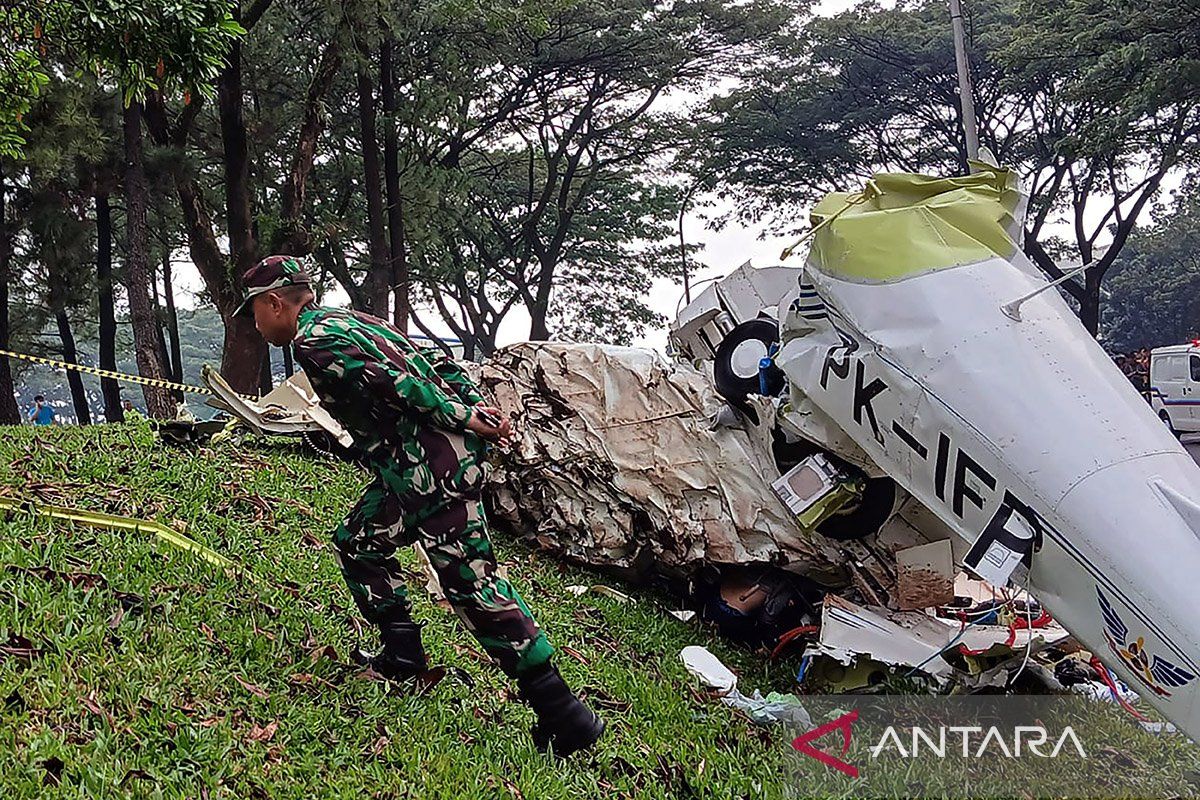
column 104, row 373
column 97, row 519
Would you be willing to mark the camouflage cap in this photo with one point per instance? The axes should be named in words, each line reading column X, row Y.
column 273, row 272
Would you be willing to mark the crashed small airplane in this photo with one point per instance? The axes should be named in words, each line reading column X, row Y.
column 916, row 387
column 918, row 343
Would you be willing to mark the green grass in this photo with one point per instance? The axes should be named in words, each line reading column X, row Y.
column 136, row 688
column 128, row 668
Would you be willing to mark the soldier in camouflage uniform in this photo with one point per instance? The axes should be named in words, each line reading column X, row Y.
column 420, row 425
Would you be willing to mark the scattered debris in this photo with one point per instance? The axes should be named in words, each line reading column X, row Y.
column 189, row 431
column 600, row 589
column 925, row 576
column 714, row 675
column 290, row 409
column 617, row 465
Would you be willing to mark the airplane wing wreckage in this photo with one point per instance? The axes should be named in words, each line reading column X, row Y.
column 912, row 397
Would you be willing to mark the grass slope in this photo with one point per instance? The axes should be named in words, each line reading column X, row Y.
column 130, row 669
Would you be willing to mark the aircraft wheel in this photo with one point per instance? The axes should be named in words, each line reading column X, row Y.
column 865, row 517
column 735, row 367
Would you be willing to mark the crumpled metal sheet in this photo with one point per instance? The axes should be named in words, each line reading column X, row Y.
column 617, row 465
column 290, row 409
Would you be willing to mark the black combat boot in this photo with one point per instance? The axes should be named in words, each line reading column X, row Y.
column 403, row 656
column 564, row 723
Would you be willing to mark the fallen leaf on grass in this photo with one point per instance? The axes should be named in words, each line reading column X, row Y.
column 82, row 580
column 46, row 492
column 257, row 691
column 135, row 774
column 467, row 650
column 270, row 611
column 211, row 635
column 323, row 652
column 20, row 648
column 114, row 621
column 575, row 654
column 1121, row 759
column 264, row 733
column 605, row 701
column 509, row 785
column 378, row 746
column 93, row 705
column 307, row 678
column 493, row 717
column 130, row 602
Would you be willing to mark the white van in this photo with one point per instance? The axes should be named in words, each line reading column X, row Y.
column 1175, row 386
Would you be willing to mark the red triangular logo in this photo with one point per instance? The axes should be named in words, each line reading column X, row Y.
column 803, row 743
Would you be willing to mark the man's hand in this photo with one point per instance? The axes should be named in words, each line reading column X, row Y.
column 490, row 424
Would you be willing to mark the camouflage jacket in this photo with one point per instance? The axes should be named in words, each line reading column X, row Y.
column 379, row 385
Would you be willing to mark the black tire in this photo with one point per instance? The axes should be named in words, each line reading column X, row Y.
column 859, row 522
column 1166, row 418
column 733, row 386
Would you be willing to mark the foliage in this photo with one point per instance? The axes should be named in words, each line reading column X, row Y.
column 591, row 129
column 21, row 79
column 178, row 45
column 1144, row 57
column 875, row 89
column 1154, row 291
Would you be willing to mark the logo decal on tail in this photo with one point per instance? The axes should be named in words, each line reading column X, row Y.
column 1154, row 671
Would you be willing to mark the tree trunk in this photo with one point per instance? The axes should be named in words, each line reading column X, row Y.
column 83, row 414
column 244, row 349
column 1089, row 304
column 110, row 390
column 539, row 330
column 141, row 310
column 391, row 181
column 293, row 238
column 172, row 320
column 289, row 368
column 9, row 413
column 160, row 318
column 377, row 282
column 239, row 215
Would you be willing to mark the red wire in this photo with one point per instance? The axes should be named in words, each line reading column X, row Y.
column 786, row 638
column 1040, row 621
column 1103, row 671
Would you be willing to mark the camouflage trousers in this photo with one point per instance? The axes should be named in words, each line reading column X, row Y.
column 436, row 503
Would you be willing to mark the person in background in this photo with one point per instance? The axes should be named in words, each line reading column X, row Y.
column 1141, row 370
column 40, row 413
